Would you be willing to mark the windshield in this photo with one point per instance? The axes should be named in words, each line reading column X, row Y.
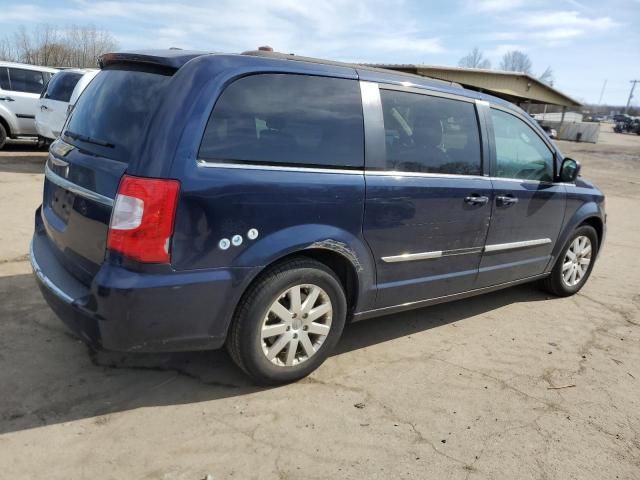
column 111, row 116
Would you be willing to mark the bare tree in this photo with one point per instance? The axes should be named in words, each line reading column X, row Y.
column 547, row 76
column 73, row 46
column 516, row 61
column 475, row 59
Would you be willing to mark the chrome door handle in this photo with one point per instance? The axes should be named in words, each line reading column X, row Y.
column 7, row 99
column 476, row 199
column 506, row 201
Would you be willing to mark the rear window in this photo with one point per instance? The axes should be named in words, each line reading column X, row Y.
column 111, row 116
column 287, row 119
column 61, row 86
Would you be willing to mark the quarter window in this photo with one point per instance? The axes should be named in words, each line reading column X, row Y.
column 430, row 134
column 520, row 152
column 28, row 81
column 287, row 119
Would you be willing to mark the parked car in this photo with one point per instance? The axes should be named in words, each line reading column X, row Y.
column 261, row 201
column 20, row 87
column 56, row 99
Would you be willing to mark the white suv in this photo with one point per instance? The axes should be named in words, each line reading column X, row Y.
column 20, row 88
column 58, row 98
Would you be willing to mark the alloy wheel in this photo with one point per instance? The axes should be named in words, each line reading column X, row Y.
column 296, row 325
column 576, row 261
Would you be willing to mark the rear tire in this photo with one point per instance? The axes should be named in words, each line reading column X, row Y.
column 3, row 136
column 288, row 322
column 571, row 270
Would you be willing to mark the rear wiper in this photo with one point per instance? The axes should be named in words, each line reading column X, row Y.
column 84, row 138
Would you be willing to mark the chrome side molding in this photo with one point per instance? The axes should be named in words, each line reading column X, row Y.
column 513, row 245
column 410, row 257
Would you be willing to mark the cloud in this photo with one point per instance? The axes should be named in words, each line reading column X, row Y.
column 493, row 6
column 566, row 19
column 333, row 28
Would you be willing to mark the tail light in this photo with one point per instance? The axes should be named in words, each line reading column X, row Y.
column 142, row 219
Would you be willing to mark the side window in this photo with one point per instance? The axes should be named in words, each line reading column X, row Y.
column 430, row 134
column 28, row 81
column 4, row 78
column 520, row 152
column 61, row 86
column 287, row 119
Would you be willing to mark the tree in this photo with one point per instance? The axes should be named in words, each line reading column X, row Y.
column 48, row 45
column 475, row 59
column 516, row 61
column 547, row 77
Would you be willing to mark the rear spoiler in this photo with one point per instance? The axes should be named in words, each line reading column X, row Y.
column 163, row 59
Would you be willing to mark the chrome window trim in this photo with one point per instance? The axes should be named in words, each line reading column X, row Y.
column 498, row 247
column 45, row 280
column 413, row 88
column 277, row 168
column 77, row 189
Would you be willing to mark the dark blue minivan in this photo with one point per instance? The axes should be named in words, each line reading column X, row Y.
column 260, row 201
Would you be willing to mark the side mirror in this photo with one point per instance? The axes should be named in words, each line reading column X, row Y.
column 569, row 170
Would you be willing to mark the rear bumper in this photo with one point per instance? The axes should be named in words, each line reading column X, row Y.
column 128, row 311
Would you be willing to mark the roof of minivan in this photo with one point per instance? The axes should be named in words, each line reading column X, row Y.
column 175, row 59
column 26, row 66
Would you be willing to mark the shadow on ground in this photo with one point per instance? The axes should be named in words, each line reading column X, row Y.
column 49, row 377
column 22, row 158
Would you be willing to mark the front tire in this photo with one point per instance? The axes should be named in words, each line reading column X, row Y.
column 3, row 136
column 574, row 264
column 288, row 322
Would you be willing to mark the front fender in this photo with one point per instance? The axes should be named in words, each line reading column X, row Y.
column 298, row 238
column 574, row 217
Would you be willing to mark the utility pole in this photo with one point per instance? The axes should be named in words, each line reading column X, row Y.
column 604, row 85
column 633, row 86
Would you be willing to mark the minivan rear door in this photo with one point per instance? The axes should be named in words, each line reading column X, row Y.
column 52, row 108
column 428, row 203
column 103, row 134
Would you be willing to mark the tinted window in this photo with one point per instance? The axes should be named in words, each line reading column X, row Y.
column 287, row 119
column 520, row 152
column 61, row 86
column 430, row 134
column 114, row 112
column 29, row 81
column 4, row 78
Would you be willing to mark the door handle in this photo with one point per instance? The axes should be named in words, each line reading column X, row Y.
column 506, row 201
column 43, row 107
column 7, row 99
column 476, row 199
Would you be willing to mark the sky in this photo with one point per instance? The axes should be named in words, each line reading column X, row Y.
column 584, row 42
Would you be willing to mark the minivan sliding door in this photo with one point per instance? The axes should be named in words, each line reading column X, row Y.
column 428, row 204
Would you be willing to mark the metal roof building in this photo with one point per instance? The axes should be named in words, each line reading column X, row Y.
column 516, row 87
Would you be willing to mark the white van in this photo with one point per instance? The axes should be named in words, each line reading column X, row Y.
column 58, row 98
column 20, row 89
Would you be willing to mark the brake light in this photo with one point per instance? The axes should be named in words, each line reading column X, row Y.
column 142, row 219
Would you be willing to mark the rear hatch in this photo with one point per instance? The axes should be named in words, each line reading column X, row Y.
column 102, row 135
